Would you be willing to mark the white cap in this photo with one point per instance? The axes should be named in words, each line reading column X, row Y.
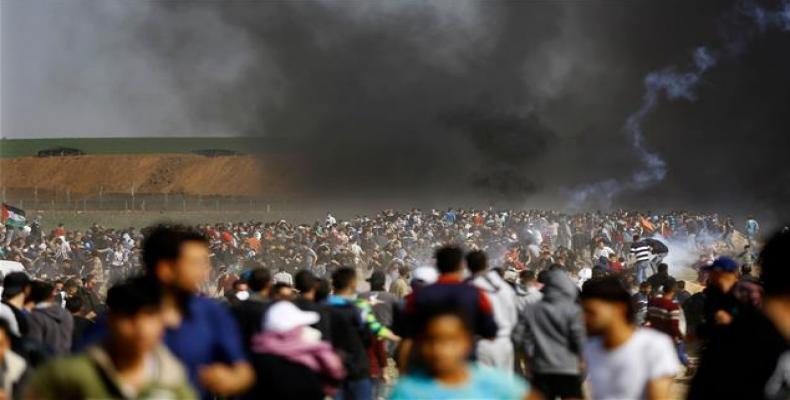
column 426, row 274
column 284, row 316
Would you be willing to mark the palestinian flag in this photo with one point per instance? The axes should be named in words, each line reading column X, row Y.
column 13, row 216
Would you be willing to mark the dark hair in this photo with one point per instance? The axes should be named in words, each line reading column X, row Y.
column 774, row 258
column 14, row 284
column 663, row 267
column 163, row 243
column 428, row 314
column 476, row 261
column 527, row 275
column 259, row 279
column 681, row 284
column 74, row 304
column 305, row 281
column 41, row 291
column 341, row 279
column 611, row 290
column 322, row 291
column 448, row 259
column 670, row 285
column 237, row 283
column 134, row 295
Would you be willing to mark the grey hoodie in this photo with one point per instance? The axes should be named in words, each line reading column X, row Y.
column 52, row 326
column 555, row 327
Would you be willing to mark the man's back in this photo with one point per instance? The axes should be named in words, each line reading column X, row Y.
column 452, row 292
column 53, row 327
column 556, row 327
column 350, row 336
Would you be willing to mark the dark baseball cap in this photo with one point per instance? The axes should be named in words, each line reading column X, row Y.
column 14, row 283
column 723, row 264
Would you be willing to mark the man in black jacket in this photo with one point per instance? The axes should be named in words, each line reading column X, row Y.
column 250, row 313
column 350, row 336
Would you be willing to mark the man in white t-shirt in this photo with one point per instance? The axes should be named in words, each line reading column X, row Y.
column 624, row 361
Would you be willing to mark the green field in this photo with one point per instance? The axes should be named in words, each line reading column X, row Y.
column 10, row 148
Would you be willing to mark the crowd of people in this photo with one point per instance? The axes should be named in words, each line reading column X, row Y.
column 455, row 304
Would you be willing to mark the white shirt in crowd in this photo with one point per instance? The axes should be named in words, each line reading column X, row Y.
column 624, row 372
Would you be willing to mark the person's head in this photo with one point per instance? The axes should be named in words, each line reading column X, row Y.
column 134, row 317
column 444, row 340
column 448, row 259
column 281, row 291
column 74, row 305
column 72, row 287
column 240, row 285
column 58, row 285
column 636, row 238
column 746, row 270
column 377, row 280
column 16, row 284
column 663, row 269
column 404, row 271
column 306, row 283
column 669, row 288
column 606, row 302
column 774, row 260
column 41, row 292
column 723, row 273
column 322, row 290
column 527, row 276
column 476, row 261
column 344, row 280
column 259, row 280
column 90, row 281
column 177, row 256
column 681, row 285
column 644, row 287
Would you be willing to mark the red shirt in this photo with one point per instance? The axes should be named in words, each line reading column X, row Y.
column 664, row 315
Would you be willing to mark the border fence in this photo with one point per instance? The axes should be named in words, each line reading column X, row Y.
column 66, row 200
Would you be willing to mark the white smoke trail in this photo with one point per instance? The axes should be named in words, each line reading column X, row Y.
column 673, row 85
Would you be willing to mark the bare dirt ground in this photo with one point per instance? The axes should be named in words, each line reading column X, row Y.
column 148, row 173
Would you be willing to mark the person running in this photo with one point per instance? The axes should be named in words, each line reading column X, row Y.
column 641, row 253
column 751, row 358
column 623, row 360
column 665, row 315
column 444, row 343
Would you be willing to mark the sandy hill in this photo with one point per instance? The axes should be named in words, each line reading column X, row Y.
column 148, row 173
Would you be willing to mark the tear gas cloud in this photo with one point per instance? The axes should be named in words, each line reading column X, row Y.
column 447, row 101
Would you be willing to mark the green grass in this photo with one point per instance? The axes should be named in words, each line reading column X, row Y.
column 10, row 148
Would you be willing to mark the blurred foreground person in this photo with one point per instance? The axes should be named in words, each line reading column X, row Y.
column 750, row 357
column 201, row 333
column 13, row 365
column 290, row 358
column 726, row 296
column 498, row 352
column 444, row 342
column 131, row 363
column 624, row 361
column 556, row 330
column 448, row 290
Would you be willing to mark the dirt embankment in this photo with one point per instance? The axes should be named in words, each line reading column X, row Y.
column 147, row 173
